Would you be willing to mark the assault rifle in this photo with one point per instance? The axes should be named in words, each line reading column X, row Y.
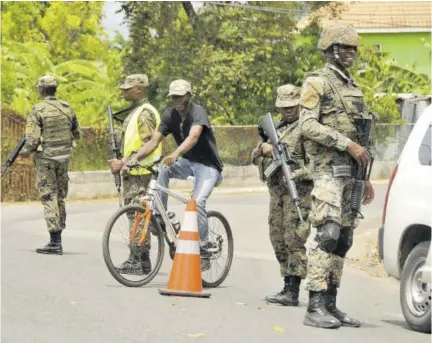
column 14, row 154
column 361, row 174
column 122, row 119
column 115, row 152
column 282, row 157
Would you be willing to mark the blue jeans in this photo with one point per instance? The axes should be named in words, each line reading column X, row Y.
column 205, row 179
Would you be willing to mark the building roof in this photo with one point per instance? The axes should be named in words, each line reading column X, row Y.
column 378, row 16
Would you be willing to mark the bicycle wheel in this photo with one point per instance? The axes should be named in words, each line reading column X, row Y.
column 123, row 258
column 221, row 250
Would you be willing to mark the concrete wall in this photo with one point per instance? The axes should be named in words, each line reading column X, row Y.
column 98, row 184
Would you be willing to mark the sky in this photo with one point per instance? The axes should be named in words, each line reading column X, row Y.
column 113, row 21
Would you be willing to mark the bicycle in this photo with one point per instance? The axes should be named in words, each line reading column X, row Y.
column 143, row 226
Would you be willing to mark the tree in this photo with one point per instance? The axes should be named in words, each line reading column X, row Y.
column 67, row 41
column 236, row 55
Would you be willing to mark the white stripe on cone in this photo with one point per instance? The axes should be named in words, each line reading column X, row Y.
column 190, row 222
column 188, row 247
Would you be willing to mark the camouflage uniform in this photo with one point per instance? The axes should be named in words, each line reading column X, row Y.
column 287, row 234
column 330, row 100
column 52, row 126
column 134, row 186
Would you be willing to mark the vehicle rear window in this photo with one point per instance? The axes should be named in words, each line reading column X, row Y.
column 425, row 153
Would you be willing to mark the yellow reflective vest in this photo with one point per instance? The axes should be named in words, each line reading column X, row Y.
column 132, row 139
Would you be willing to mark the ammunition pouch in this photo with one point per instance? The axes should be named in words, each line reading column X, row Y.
column 272, row 168
column 343, row 171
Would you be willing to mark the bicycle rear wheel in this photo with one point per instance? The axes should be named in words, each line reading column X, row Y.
column 117, row 247
column 221, row 252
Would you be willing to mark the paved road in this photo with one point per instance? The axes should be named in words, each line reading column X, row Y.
column 73, row 298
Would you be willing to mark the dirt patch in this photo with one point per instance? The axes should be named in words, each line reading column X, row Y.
column 364, row 252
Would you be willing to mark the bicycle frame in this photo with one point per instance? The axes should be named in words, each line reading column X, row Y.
column 154, row 201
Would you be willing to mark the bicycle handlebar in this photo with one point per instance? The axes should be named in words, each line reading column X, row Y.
column 149, row 167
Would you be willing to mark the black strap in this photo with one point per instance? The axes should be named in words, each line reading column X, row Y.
column 335, row 90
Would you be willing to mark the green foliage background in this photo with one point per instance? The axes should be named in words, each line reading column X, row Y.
column 235, row 56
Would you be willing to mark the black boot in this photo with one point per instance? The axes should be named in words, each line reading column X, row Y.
column 317, row 314
column 289, row 294
column 330, row 299
column 146, row 262
column 54, row 247
column 132, row 266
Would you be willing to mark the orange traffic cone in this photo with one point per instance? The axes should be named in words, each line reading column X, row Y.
column 185, row 278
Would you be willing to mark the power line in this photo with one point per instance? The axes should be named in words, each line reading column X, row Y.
column 259, row 8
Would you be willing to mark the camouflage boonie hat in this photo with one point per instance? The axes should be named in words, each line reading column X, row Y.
column 134, row 80
column 179, row 87
column 342, row 34
column 287, row 96
column 47, row 81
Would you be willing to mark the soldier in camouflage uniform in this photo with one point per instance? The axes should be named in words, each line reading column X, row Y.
column 287, row 234
column 134, row 186
column 330, row 101
column 52, row 126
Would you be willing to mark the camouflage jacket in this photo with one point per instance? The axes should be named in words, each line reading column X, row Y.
column 330, row 101
column 289, row 134
column 52, row 126
column 146, row 122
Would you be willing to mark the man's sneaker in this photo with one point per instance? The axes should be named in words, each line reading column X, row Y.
column 205, row 258
column 205, row 264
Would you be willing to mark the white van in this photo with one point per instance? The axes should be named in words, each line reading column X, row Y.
column 405, row 234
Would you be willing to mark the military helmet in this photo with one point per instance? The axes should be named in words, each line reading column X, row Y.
column 342, row 34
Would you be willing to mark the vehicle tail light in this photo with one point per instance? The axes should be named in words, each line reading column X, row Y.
column 388, row 192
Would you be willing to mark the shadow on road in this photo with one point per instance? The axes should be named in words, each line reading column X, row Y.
column 396, row 322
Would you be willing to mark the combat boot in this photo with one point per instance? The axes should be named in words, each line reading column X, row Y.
column 317, row 314
column 54, row 247
column 330, row 300
column 132, row 266
column 146, row 262
column 289, row 294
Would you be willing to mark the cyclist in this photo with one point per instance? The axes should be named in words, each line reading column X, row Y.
column 196, row 155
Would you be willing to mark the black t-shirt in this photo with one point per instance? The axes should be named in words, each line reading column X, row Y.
column 205, row 150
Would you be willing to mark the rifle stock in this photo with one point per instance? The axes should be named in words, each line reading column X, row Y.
column 282, row 158
column 115, row 152
column 13, row 155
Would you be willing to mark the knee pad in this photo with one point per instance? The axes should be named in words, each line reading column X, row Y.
column 345, row 241
column 328, row 236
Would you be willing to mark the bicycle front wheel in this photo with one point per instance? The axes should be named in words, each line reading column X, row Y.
column 132, row 257
column 221, row 250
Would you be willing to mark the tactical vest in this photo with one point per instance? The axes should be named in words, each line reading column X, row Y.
column 132, row 139
column 339, row 106
column 57, row 138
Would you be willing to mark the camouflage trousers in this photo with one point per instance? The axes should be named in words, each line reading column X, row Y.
column 134, row 187
column 52, row 186
column 287, row 234
column 331, row 201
